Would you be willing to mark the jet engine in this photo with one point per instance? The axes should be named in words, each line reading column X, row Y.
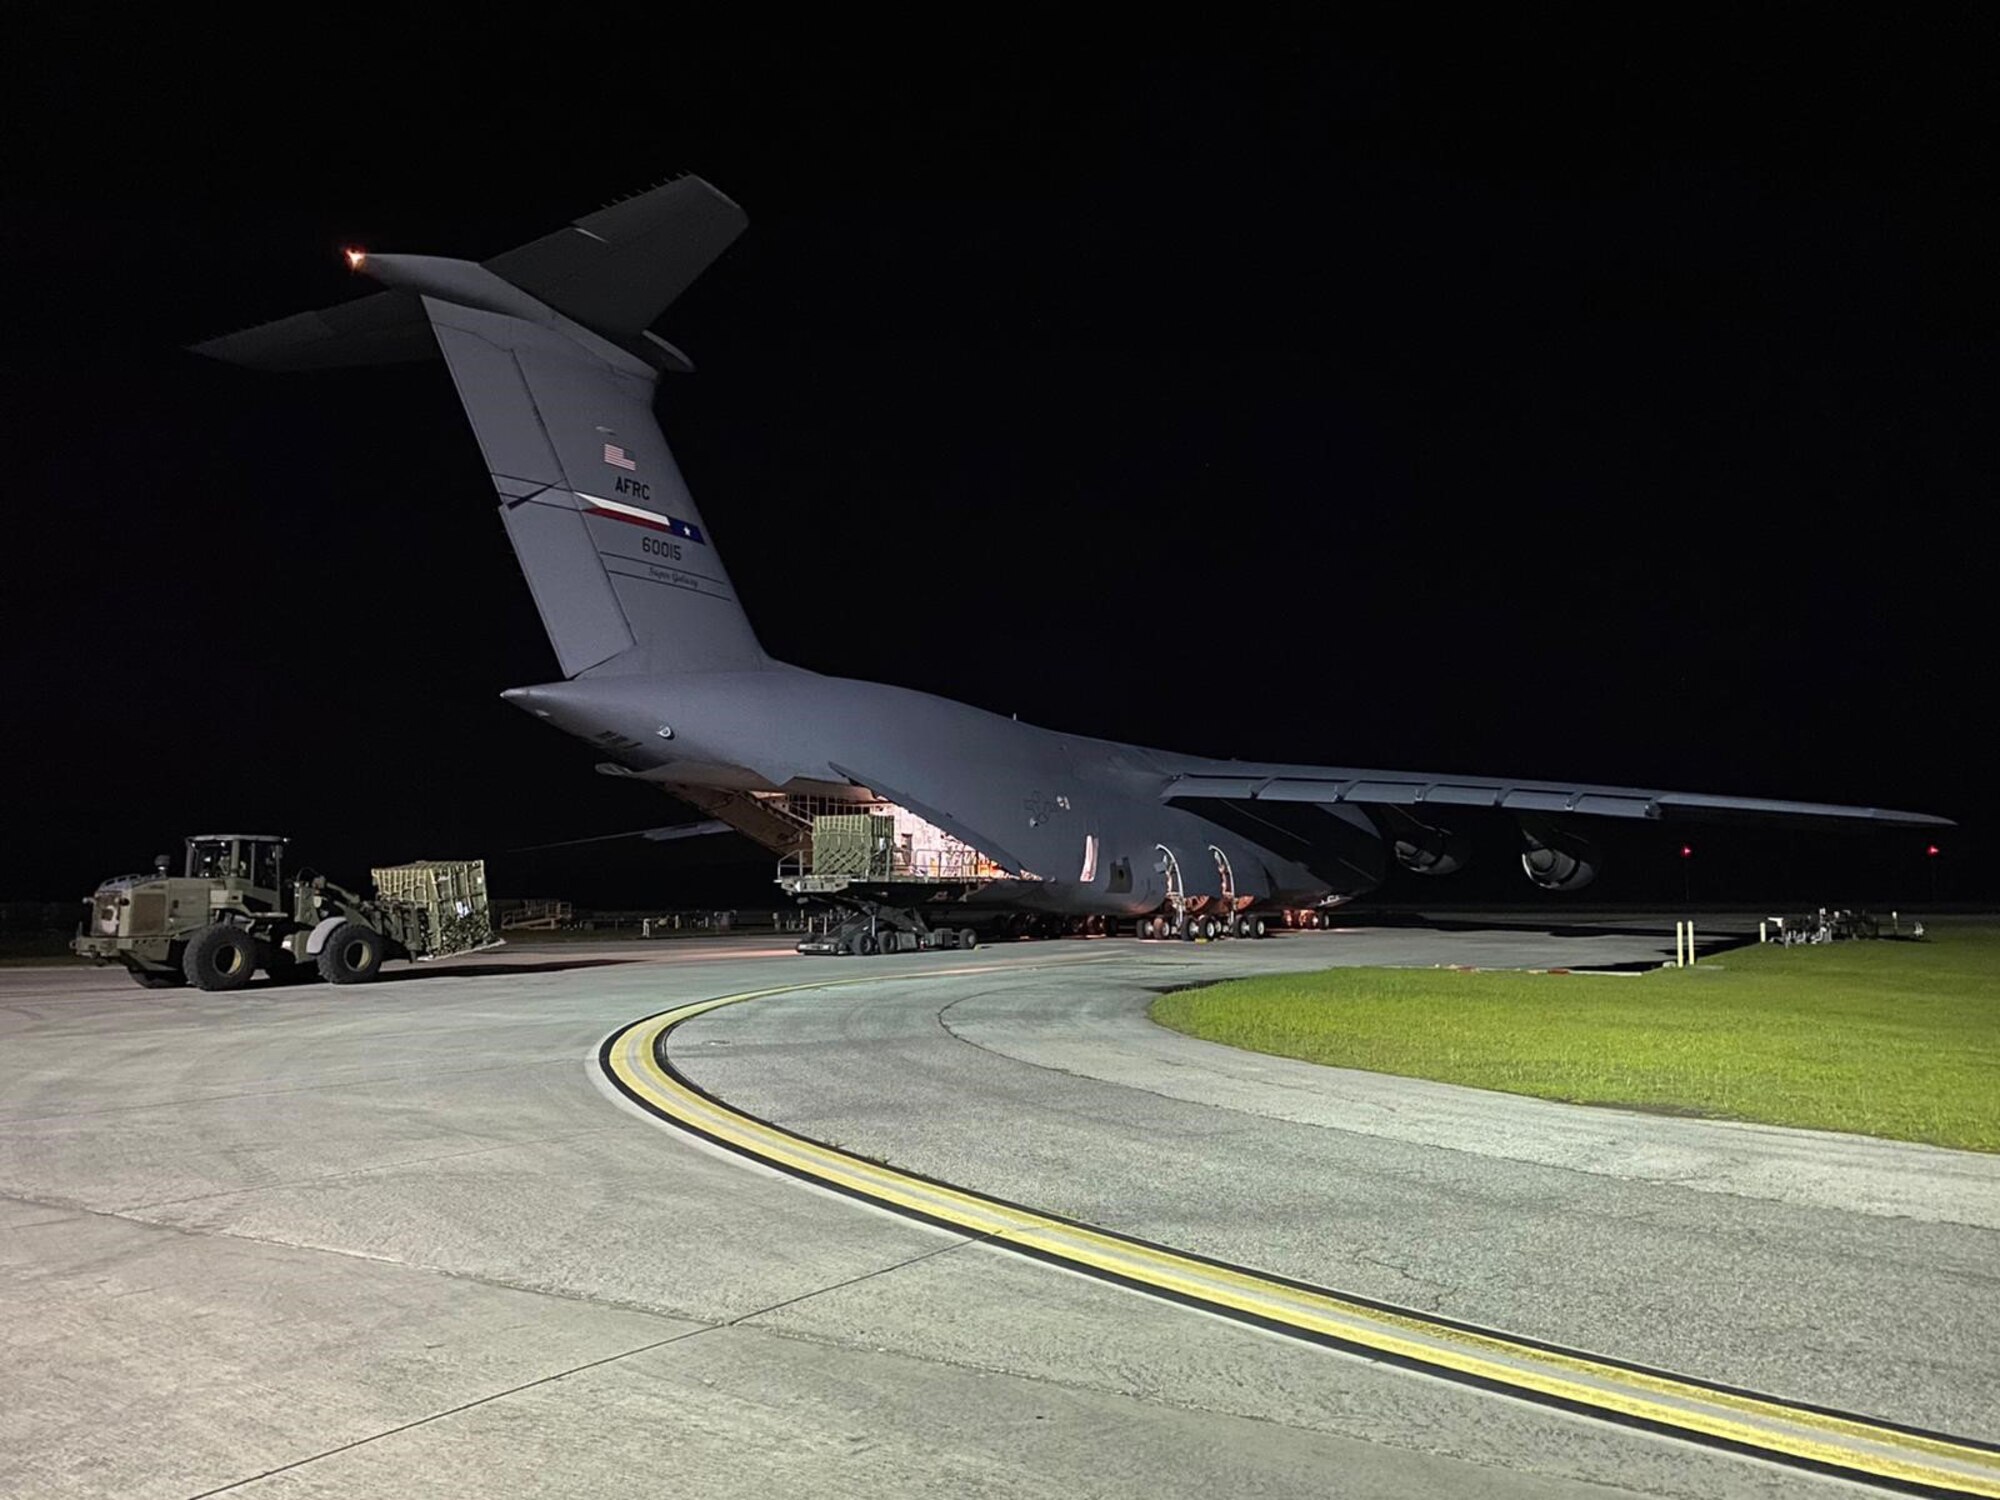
column 1421, row 848
column 1557, row 858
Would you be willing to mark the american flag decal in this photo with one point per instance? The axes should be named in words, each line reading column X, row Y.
column 616, row 457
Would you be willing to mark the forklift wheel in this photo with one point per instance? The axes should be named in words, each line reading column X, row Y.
column 220, row 957
column 352, row 954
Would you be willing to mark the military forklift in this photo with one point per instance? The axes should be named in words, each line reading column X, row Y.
column 231, row 912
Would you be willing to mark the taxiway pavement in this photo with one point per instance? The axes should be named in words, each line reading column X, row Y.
column 402, row 1237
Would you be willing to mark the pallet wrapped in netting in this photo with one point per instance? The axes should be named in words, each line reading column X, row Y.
column 442, row 904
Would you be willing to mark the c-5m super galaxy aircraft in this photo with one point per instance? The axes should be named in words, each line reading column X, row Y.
column 923, row 819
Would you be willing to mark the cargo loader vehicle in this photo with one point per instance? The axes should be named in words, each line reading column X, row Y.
column 231, row 913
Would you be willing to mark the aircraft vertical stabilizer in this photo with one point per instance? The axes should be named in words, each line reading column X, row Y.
column 621, row 563
column 549, row 349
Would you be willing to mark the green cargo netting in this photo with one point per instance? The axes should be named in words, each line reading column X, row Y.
column 442, row 903
column 855, row 844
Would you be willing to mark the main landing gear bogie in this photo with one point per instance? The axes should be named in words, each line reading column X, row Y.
column 1207, row 928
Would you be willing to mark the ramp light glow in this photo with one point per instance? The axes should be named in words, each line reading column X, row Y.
column 355, row 257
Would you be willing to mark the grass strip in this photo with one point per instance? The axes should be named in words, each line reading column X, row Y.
column 1892, row 1039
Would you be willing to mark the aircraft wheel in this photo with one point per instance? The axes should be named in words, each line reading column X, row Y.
column 1210, row 928
column 220, row 957
column 1259, row 927
column 866, row 945
column 352, row 954
column 967, row 939
column 155, row 979
column 892, row 942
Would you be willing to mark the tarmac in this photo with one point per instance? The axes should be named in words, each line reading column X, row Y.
column 407, row 1238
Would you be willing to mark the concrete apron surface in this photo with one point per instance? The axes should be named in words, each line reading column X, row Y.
column 325, row 1242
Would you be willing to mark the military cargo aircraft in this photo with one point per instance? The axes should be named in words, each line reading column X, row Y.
column 916, row 814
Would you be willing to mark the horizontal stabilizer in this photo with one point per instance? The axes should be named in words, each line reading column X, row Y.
column 383, row 329
column 613, row 272
column 618, row 269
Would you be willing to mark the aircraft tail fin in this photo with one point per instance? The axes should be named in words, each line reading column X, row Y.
column 548, row 347
column 622, row 566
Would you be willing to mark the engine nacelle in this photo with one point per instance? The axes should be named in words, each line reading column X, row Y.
column 1422, row 849
column 1557, row 858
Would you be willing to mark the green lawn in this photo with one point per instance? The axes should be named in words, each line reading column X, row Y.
column 1893, row 1039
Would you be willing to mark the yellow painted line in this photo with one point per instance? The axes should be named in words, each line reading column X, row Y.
column 1852, row 1446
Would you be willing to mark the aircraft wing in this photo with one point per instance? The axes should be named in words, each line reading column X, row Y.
column 1412, row 790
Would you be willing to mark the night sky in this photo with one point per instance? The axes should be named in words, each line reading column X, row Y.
column 1615, row 406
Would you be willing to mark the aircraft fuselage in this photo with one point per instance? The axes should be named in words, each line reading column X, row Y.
column 1078, row 823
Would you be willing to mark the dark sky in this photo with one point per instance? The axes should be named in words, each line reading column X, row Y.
column 1612, row 405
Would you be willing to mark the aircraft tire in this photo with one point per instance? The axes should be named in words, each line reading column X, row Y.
column 866, row 945
column 352, row 955
column 220, row 957
column 1259, row 927
column 967, row 939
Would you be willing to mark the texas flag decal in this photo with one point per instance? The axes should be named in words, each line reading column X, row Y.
column 633, row 515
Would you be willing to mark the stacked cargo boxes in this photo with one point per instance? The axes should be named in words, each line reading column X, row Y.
column 441, row 904
column 860, row 846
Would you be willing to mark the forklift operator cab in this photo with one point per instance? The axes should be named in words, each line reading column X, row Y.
column 256, row 859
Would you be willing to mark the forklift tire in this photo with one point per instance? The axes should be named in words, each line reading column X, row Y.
column 352, row 954
column 153, row 979
column 220, row 957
